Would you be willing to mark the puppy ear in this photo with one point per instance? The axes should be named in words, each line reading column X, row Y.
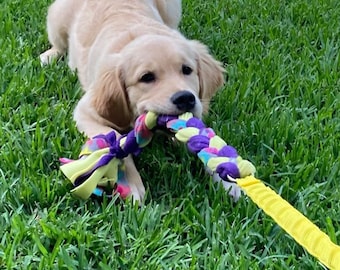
column 210, row 74
column 109, row 96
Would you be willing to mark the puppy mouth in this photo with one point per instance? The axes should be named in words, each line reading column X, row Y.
column 169, row 109
column 179, row 103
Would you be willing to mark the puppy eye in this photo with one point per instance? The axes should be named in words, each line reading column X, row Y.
column 186, row 70
column 148, row 77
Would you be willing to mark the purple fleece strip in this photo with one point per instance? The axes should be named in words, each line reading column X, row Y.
column 195, row 122
column 131, row 145
column 197, row 143
column 162, row 120
column 228, row 168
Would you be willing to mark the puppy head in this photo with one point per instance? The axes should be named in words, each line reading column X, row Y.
column 156, row 73
column 170, row 75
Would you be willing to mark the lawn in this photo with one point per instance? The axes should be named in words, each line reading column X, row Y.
column 280, row 108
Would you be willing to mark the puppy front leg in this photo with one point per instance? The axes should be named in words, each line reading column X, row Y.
column 88, row 120
column 134, row 180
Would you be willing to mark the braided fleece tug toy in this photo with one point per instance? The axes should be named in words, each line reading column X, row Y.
column 100, row 166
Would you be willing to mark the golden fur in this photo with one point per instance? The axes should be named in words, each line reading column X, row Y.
column 129, row 59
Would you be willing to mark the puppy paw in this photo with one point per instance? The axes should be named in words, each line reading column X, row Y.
column 134, row 180
column 137, row 193
column 49, row 56
column 233, row 189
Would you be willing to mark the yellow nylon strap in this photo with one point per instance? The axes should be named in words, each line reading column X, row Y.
column 293, row 222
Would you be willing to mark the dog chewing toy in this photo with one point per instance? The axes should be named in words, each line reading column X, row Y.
column 100, row 167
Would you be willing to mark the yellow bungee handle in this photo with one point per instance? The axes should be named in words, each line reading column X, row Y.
column 307, row 234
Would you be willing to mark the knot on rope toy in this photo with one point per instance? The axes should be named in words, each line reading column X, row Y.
column 100, row 166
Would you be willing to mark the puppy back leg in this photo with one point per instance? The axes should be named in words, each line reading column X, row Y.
column 170, row 11
column 59, row 21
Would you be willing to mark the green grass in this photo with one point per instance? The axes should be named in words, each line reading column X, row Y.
column 280, row 109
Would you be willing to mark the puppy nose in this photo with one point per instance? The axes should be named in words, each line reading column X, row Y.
column 184, row 100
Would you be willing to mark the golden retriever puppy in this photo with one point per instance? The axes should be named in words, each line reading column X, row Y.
column 130, row 58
